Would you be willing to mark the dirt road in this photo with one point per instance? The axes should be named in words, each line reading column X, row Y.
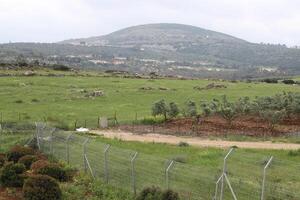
column 127, row 136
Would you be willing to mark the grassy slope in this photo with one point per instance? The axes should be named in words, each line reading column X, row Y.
column 59, row 98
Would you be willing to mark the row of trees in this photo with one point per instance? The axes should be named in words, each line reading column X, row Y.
column 272, row 109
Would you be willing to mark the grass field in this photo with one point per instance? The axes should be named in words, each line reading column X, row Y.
column 195, row 171
column 193, row 175
column 63, row 99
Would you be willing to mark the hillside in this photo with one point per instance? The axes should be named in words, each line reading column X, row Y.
column 169, row 49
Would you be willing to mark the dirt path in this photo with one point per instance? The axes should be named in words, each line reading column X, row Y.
column 127, row 136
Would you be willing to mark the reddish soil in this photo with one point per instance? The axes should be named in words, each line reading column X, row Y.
column 11, row 193
column 215, row 125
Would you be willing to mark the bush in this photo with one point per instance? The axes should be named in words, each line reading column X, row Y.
column 16, row 152
column 54, row 170
column 41, row 187
column 190, row 109
column 183, row 144
column 155, row 193
column 38, row 165
column 150, row 193
column 174, row 110
column 28, row 160
column 289, row 82
column 11, row 175
column 170, row 195
column 2, row 159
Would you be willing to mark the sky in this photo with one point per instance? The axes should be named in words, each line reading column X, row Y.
column 268, row 21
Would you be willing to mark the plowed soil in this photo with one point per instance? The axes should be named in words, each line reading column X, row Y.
column 245, row 125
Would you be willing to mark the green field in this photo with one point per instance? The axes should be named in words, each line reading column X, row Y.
column 63, row 99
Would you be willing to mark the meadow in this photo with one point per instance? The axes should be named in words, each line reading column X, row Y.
column 63, row 99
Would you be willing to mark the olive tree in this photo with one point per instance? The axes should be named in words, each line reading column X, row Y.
column 160, row 108
column 190, row 109
column 173, row 110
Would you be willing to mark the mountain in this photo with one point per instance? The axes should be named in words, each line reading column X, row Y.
column 174, row 49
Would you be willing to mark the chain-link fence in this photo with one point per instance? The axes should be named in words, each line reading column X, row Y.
column 235, row 175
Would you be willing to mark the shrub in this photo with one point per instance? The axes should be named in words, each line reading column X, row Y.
column 150, row 193
column 190, row 109
column 160, row 108
column 18, row 101
column 16, row 152
column 183, row 144
column 28, row 160
column 11, row 175
column 54, row 170
column 289, row 81
column 174, row 110
column 2, row 159
column 41, row 187
column 170, row 195
column 38, row 165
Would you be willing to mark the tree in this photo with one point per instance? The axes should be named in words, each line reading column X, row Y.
column 273, row 117
column 173, row 110
column 227, row 110
column 190, row 109
column 160, row 108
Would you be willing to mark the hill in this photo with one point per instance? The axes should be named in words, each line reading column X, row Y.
column 170, row 49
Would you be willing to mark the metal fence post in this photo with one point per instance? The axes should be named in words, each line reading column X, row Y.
column 224, row 172
column 167, row 174
column 106, row 173
column 68, row 148
column 264, row 178
column 51, row 142
column 84, row 154
column 133, row 182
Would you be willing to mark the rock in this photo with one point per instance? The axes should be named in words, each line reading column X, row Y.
column 29, row 73
column 97, row 93
column 210, row 86
column 146, row 88
column 163, row 88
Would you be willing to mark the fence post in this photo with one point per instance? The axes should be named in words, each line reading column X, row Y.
column 67, row 148
column 264, row 178
column 133, row 172
column 224, row 172
column 51, row 142
column 84, row 154
column 167, row 173
column 106, row 174
column 98, row 122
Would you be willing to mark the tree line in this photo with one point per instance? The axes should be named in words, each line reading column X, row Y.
column 272, row 109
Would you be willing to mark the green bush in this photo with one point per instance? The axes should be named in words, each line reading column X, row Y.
column 2, row 159
column 54, row 170
column 16, row 152
column 12, row 175
column 170, row 195
column 155, row 193
column 41, row 187
column 150, row 193
column 28, row 160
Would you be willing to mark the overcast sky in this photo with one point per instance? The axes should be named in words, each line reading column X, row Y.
column 269, row 21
